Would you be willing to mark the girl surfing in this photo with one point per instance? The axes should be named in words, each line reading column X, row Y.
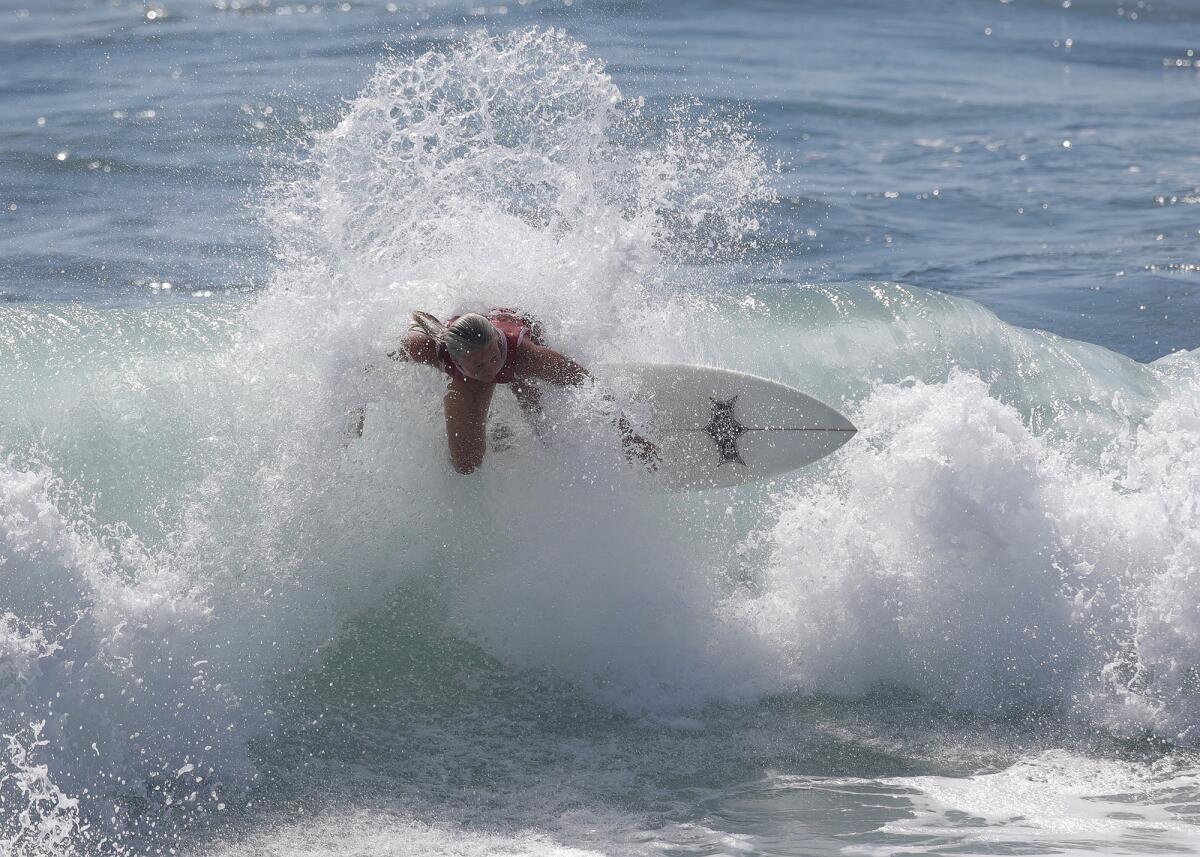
column 477, row 352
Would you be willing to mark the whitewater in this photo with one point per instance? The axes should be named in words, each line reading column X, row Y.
column 228, row 628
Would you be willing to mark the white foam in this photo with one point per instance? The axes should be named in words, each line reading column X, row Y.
column 959, row 554
column 1054, row 800
column 367, row 834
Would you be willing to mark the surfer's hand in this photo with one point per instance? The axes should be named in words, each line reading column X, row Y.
column 637, row 446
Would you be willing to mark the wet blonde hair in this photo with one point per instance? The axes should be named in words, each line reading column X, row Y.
column 465, row 335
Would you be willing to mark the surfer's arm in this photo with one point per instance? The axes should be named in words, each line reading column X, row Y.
column 414, row 347
column 537, row 361
column 466, row 419
column 546, row 364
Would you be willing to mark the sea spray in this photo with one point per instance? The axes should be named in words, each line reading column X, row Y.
column 188, row 522
column 507, row 170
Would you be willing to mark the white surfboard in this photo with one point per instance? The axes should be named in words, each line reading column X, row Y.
column 715, row 428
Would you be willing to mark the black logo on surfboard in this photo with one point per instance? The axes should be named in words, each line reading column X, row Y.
column 724, row 428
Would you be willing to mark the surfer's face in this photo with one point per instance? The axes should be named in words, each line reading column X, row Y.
column 482, row 365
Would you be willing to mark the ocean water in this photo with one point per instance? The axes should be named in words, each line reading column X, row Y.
column 226, row 629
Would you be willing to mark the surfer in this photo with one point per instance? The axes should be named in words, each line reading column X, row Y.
column 478, row 352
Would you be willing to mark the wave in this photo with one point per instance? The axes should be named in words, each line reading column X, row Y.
column 958, row 553
column 183, row 522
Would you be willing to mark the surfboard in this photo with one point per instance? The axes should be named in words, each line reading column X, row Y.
column 716, row 428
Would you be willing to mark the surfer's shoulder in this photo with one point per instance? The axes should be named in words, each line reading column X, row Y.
column 416, row 347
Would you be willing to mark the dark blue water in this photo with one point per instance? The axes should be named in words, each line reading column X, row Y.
column 1033, row 156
